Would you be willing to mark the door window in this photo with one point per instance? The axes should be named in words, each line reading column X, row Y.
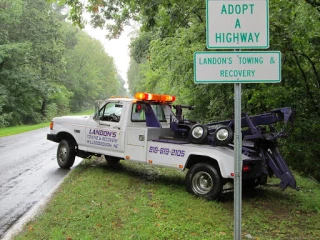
column 111, row 112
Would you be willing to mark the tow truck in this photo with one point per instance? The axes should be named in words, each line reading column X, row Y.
column 150, row 129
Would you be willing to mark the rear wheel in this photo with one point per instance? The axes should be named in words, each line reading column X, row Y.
column 66, row 154
column 204, row 180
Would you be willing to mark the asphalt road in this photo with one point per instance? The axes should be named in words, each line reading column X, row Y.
column 28, row 173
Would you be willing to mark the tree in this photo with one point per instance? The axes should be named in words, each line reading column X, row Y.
column 91, row 73
column 40, row 72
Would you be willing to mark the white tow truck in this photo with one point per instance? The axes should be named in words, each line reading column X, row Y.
column 145, row 129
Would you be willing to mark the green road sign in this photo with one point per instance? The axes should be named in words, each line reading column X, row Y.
column 239, row 24
column 237, row 67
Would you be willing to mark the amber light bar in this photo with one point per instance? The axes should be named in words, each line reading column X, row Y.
column 154, row 97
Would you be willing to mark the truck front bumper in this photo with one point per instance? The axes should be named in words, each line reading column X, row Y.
column 53, row 137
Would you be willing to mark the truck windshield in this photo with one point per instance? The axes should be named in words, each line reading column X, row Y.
column 138, row 112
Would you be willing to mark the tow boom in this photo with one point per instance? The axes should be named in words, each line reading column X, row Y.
column 259, row 138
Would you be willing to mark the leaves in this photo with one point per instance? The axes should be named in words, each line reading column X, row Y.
column 48, row 67
column 178, row 31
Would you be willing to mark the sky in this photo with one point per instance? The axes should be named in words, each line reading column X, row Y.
column 116, row 48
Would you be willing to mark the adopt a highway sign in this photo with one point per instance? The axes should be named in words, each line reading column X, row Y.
column 237, row 67
column 240, row 24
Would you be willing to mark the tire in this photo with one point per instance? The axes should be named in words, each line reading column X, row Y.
column 223, row 142
column 66, row 154
column 112, row 160
column 204, row 180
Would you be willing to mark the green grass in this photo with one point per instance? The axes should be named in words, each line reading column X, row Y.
column 8, row 131
column 136, row 201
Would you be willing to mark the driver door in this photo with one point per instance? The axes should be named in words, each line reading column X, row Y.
column 105, row 134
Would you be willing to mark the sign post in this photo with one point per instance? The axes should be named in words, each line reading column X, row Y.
column 237, row 24
column 238, row 162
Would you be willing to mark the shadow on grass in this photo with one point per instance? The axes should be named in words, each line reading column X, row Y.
column 176, row 179
column 148, row 173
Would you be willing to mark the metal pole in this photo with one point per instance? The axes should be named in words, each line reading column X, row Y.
column 237, row 162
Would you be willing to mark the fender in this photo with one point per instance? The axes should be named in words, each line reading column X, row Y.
column 220, row 156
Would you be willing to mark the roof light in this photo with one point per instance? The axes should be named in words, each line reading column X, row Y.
column 154, row 97
column 139, row 107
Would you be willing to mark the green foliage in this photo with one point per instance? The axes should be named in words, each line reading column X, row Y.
column 10, row 13
column 48, row 67
column 114, row 15
column 91, row 74
column 30, row 61
column 140, row 46
column 314, row 3
column 134, row 77
column 294, row 30
column 58, row 102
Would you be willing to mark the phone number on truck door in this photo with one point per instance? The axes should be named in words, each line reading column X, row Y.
column 167, row 151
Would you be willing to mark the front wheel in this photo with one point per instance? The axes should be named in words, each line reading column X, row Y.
column 66, row 154
column 204, row 180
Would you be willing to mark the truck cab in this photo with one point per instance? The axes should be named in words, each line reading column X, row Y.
column 145, row 129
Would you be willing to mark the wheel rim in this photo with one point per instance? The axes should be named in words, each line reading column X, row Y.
column 202, row 183
column 62, row 156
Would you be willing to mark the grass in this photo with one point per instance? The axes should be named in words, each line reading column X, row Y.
column 136, row 201
column 8, row 131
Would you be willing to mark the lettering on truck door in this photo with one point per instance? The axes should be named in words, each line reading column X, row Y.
column 106, row 132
